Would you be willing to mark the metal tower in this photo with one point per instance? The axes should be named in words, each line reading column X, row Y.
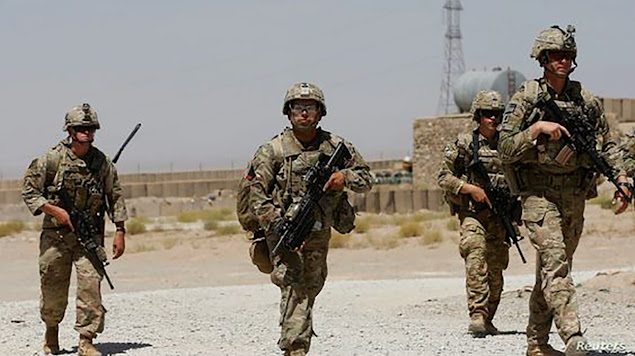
column 454, row 64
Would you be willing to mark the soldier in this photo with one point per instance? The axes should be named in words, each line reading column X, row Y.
column 276, row 171
column 482, row 244
column 553, row 183
column 90, row 179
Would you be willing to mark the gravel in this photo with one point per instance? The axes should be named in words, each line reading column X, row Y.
column 383, row 317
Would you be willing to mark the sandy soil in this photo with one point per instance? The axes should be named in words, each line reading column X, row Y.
column 410, row 275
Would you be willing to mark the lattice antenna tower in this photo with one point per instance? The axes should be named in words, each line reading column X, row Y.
column 454, row 64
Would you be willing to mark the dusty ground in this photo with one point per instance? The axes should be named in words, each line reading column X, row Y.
column 395, row 284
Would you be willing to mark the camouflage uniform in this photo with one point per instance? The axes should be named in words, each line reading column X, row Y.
column 482, row 243
column 282, row 163
column 90, row 181
column 628, row 156
column 553, row 195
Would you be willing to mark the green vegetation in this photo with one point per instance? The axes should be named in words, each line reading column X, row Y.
column 135, row 226
column 452, row 224
column 605, row 201
column 432, row 236
column 339, row 240
column 141, row 247
column 11, row 227
column 224, row 230
column 169, row 243
column 223, row 214
column 410, row 229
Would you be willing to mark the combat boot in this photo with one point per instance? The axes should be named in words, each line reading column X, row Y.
column 51, row 341
column 86, row 347
column 477, row 325
column 295, row 352
column 542, row 350
column 490, row 328
column 576, row 346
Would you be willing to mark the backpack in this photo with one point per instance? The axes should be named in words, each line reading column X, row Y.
column 246, row 216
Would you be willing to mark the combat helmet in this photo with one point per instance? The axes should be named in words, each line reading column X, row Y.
column 486, row 100
column 554, row 39
column 81, row 115
column 304, row 91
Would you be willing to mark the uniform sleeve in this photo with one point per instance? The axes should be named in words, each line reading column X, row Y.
column 357, row 176
column 33, row 187
column 114, row 195
column 453, row 159
column 264, row 168
column 607, row 146
column 514, row 141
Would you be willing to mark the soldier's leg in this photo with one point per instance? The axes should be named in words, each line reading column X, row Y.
column 472, row 247
column 497, row 261
column 90, row 312
column 55, row 263
column 315, row 272
column 545, row 224
column 288, row 275
column 573, row 222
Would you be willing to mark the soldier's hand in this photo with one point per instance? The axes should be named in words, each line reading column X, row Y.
column 479, row 196
column 62, row 217
column 621, row 201
column 301, row 248
column 335, row 182
column 118, row 244
column 552, row 129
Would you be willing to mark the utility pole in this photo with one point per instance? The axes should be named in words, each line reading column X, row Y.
column 454, row 65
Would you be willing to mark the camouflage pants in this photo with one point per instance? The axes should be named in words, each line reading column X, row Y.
column 58, row 252
column 300, row 277
column 486, row 255
column 555, row 225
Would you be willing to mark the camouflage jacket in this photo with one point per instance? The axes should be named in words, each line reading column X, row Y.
column 279, row 166
column 90, row 182
column 526, row 160
column 627, row 152
column 454, row 172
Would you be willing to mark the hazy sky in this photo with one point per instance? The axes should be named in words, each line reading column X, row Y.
column 207, row 78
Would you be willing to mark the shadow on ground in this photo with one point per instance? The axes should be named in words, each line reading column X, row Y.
column 111, row 348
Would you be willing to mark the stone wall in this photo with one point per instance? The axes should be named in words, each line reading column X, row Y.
column 430, row 136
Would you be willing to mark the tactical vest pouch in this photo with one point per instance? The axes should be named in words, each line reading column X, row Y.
column 513, row 181
column 344, row 216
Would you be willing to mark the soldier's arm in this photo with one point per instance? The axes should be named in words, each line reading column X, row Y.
column 114, row 194
column 264, row 168
column 33, row 187
column 357, row 176
column 450, row 172
column 514, row 141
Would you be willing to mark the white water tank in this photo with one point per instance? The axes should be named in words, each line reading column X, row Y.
column 468, row 84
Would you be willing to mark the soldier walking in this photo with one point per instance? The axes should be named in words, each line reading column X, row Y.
column 276, row 174
column 554, row 181
column 89, row 178
column 482, row 243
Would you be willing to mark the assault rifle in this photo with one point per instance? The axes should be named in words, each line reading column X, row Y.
column 582, row 139
column 295, row 226
column 86, row 230
column 499, row 196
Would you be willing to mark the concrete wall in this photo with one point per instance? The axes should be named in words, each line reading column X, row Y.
column 430, row 136
column 169, row 184
column 623, row 108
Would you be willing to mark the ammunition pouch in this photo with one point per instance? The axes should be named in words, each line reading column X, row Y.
column 344, row 215
column 581, row 181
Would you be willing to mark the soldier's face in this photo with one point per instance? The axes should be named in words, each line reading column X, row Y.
column 304, row 114
column 491, row 118
column 560, row 62
column 83, row 134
